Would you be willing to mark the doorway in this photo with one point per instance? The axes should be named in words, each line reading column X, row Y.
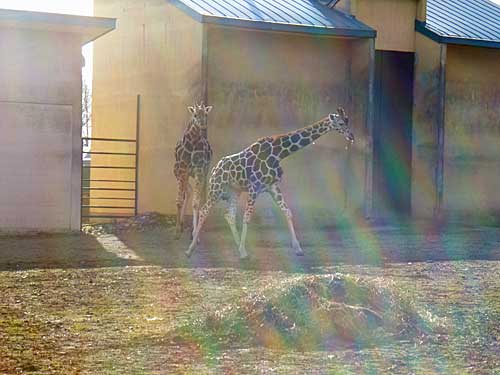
column 392, row 134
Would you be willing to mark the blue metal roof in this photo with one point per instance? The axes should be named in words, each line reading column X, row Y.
column 301, row 16
column 470, row 22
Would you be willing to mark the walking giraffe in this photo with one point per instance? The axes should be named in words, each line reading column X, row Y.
column 192, row 159
column 257, row 169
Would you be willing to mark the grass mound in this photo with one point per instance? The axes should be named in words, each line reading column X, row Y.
column 311, row 312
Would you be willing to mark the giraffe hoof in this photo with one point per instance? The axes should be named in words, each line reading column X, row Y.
column 188, row 254
column 298, row 249
column 243, row 254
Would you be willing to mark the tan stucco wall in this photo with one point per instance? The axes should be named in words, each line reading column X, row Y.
column 394, row 21
column 40, row 122
column 425, row 121
column 421, row 10
column 259, row 84
column 472, row 132
column 269, row 83
column 155, row 52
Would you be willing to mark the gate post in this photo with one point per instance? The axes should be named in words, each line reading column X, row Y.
column 137, row 139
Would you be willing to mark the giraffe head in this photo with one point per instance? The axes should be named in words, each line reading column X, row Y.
column 340, row 122
column 199, row 115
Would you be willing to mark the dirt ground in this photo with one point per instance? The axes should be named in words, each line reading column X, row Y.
column 80, row 304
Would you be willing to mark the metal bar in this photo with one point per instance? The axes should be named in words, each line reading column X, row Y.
column 107, row 167
column 107, row 216
column 138, row 121
column 81, row 182
column 109, row 139
column 122, row 181
column 112, row 189
column 111, row 153
column 109, row 198
column 111, row 207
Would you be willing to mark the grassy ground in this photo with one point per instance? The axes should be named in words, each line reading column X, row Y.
column 108, row 305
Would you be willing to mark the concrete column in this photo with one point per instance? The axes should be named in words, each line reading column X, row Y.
column 369, row 131
column 438, row 210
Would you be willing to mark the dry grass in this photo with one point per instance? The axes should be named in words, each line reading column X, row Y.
column 68, row 306
column 121, row 321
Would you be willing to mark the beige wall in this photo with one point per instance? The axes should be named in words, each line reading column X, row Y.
column 425, row 122
column 472, row 132
column 394, row 21
column 40, row 122
column 155, row 52
column 259, row 84
column 270, row 83
column 422, row 10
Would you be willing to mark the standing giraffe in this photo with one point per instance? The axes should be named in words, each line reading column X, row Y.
column 257, row 169
column 192, row 159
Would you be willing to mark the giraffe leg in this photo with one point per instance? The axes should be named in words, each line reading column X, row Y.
column 198, row 185
column 188, row 193
column 252, row 196
column 182, row 183
column 230, row 216
column 275, row 192
column 201, row 220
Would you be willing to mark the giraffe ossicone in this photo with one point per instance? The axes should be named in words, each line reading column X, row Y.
column 192, row 159
column 257, row 169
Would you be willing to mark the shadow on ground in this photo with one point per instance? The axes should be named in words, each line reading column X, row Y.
column 268, row 247
column 77, row 250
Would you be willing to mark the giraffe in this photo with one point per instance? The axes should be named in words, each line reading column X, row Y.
column 192, row 159
column 257, row 169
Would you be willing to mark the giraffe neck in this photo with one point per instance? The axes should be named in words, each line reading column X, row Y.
column 289, row 143
column 194, row 132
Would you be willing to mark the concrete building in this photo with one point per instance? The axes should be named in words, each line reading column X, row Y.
column 262, row 77
column 40, row 118
column 456, row 120
column 411, row 86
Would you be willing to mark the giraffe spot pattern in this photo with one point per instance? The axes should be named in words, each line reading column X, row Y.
column 284, row 154
column 304, row 142
column 257, row 168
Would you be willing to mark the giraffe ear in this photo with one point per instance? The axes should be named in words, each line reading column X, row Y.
column 192, row 110
column 331, row 116
column 208, row 109
column 341, row 112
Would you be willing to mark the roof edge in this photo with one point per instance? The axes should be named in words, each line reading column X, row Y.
column 90, row 27
column 274, row 26
column 301, row 29
column 422, row 28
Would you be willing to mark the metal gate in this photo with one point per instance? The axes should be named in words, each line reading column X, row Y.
column 119, row 194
